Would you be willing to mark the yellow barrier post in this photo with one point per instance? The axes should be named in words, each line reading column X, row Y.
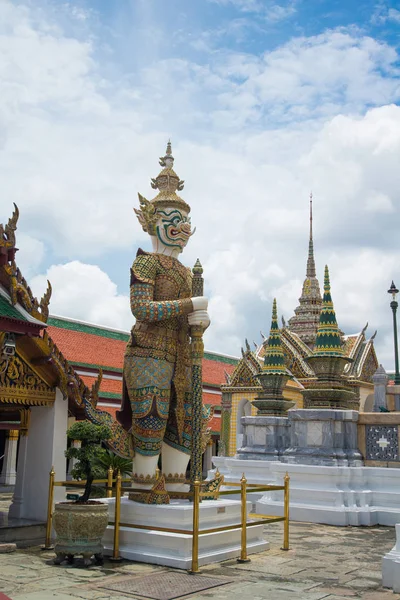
column 47, row 543
column 110, row 474
column 286, row 513
column 243, row 496
column 117, row 517
column 196, row 525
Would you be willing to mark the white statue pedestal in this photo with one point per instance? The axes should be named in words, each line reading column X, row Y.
column 391, row 565
column 175, row 549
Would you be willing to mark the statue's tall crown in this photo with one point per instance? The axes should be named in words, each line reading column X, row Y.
column 167, row 183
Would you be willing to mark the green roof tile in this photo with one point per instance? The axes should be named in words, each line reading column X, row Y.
column 8, row 311
column 84, row 328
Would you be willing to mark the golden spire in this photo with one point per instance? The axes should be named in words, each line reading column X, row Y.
column 168, row 182
column 311, row 272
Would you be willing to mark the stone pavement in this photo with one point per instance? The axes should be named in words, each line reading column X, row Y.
column 330, row 563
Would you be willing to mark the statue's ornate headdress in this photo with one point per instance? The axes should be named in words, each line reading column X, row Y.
column 167, row 182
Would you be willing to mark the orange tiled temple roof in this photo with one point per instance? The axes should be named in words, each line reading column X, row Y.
column 90, row 347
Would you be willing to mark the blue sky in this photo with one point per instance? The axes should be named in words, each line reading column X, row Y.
column 264, row 102
column 175, row 28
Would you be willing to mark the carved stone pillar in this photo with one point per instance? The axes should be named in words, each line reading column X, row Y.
column 9, row 471
column 226, row 409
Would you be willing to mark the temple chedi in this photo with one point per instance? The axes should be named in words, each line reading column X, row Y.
column 274, row 374
column 349, row 367
column 329, row 361
column 306, row 316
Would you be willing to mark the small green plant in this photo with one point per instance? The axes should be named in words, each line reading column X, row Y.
column 117, row 463
column 87, row 456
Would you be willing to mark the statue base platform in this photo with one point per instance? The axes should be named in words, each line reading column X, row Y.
column 175, row 549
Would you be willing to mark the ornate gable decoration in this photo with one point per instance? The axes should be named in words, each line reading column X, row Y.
column 369, row 365
column 11, row 277
column 295, row 351
column 244, row 375
column 19, row 384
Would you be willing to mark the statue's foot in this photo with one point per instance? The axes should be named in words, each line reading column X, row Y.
column 157, row 495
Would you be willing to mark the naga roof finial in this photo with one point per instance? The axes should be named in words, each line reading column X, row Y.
column 7, row 232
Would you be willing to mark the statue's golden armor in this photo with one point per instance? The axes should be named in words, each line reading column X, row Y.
column 157, row 359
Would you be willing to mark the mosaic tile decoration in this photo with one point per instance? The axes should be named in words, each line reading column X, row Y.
column 166, row 585
column 382, row 442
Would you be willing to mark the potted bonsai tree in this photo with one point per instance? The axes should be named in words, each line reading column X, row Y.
column 80, row 524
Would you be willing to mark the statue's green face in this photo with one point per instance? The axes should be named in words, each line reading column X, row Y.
column 173, row 228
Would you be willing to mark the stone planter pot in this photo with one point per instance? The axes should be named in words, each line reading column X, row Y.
column 79, row 529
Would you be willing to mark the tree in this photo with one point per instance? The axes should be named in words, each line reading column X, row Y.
column 86, row 467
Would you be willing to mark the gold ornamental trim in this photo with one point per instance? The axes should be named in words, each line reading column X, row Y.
column 175, row 478
column 143, row 479
column 27, row 397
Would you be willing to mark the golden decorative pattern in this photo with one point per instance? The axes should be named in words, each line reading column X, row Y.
column 157, row 495
column 7, row 233
column 144, row 479
column 20, row 385
column 175, row 478
column 12, row 278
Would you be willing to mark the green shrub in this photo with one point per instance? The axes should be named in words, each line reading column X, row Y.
column 86, row 466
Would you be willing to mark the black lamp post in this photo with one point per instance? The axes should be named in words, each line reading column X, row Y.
column 393, row 305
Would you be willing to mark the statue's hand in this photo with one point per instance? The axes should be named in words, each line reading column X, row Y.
column 199, row 317
column 200, row 303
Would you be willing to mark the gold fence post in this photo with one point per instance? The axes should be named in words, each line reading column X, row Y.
column 117, row 517
column 286, row 512
column 243, row 497
column 196, row 525
column 47, row 543
column 110, row 474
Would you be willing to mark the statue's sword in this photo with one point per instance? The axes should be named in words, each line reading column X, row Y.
column 197, row 353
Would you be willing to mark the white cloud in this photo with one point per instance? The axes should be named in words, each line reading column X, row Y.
column 311, row 78
column 383, row 13
column 85, row 292
column 379, row 203
column 252, row 135
column 30, row 255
